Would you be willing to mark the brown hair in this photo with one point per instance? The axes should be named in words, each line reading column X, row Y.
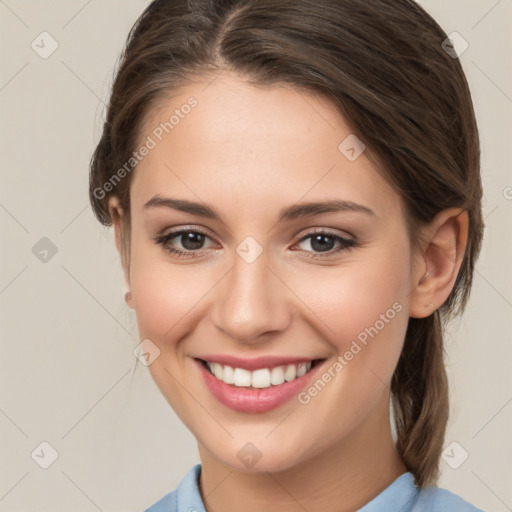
column 381, row 62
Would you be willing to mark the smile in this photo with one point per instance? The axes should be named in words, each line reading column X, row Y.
column 265, row 386
column 261, row 378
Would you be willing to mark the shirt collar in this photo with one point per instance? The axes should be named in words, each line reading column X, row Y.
column 401, row 494
column 188, row 496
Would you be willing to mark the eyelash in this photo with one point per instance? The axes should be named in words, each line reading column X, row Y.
column 345, row 243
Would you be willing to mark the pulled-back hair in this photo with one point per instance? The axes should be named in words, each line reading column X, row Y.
column 382, row 64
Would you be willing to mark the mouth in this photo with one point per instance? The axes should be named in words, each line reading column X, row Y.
column 260, row 378
column 260, row 389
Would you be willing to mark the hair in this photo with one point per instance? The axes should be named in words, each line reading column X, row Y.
column 382, row 64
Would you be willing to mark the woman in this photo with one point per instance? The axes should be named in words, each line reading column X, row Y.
column 295, row 192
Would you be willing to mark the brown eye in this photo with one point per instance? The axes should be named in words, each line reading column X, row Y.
column 191, row 241
column 325, row 242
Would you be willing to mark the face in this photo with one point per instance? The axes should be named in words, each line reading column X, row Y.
column 256, row 290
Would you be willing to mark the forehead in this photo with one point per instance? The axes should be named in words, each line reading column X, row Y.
column 251, row 143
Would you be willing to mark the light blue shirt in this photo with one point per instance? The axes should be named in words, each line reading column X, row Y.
column 401, row 496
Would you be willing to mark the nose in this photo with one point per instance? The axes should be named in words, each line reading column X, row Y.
column 252, row 302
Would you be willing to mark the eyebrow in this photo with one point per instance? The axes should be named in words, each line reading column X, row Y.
column 286, row 214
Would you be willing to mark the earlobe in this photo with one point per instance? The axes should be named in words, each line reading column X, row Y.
column 443, row 255
column 128, row 299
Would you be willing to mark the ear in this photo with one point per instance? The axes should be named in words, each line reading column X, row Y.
column 440, row 257
column 117, row 216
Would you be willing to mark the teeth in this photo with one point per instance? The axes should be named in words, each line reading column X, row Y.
column 290, row 373
column 242, row 378
column 277, row 376
column 229, row 375
column 301, row 369
column 217, row 370
column 261, row 378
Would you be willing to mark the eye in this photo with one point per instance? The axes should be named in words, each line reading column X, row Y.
column 322, row 241
column 191, row 240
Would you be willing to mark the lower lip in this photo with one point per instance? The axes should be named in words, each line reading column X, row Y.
column 252, row 400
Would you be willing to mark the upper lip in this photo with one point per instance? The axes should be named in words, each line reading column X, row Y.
column 255, row 363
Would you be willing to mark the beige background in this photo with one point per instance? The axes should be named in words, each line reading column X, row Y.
column 67, row 335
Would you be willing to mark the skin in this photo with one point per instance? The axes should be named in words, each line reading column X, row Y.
column 250, row 151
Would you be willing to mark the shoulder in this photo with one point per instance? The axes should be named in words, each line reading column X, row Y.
column 169, row 503
column 185, row 497
column 436, row 499
column 405, row 496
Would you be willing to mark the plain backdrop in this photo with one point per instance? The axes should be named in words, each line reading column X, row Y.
column 67, row 368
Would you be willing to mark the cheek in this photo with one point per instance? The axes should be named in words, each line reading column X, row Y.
column 164, row 294
column 364, row 317
column 354, row 296
column 363, row 311
column 165, row 290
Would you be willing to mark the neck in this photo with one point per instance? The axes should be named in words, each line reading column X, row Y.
column 341, row 479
